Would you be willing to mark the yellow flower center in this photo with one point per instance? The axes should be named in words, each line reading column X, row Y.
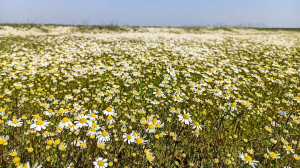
column 108, row 109
column 186, row 116
column 14, row 154
column 39, row 122
column 109, row 117
column 100, row 163
column 15, row 121
column 139, row 140
column 30, row 149
column 83, row 120
column 128, row 136
column 94, row 124
column 248, row 158
column 60, row 111
column 104, row 133
column 62, row 147
column 158, row 125
column 149, row 158
column 272, row 154
column 57, row 141
column 151, row 126
column 65, row 119
column 16, row 160
column 2, row 141
column 288, row 148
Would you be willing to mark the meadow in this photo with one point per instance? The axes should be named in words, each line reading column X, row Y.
column 149, row 97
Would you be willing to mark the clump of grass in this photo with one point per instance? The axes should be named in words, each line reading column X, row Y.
column 222, row 28
column 102, row 28
column 189, row 29
column 276, row 29
column 41, row 27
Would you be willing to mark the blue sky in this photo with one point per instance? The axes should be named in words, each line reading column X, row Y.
column 266, row 13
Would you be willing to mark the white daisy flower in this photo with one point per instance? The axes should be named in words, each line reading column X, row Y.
column 185, row 118
column 159, row 93
column 103, row 136
column 171, row 71
column 39, row 124
column 7, row 91
column 273, row 155
column 177, row 98
column 150, row 128
column 36, row 165
column 100, row 163
column 3, row 140
column 71, row 165
column 129, row 138
column 135, row 93
column 15, row 123
column 76, row 106
column 197, row 126
column 69, row 96
column 158, row 124
column 173, row 110
column 2, row 111
column 110, row 120
column 297, row 98
column 155, row 102
column 76, row 91
column 82, row 121
column 288, row 149
column 83, row 144
column 76, row 142
column 109, row 111
column 65, row 123
column 248, row 159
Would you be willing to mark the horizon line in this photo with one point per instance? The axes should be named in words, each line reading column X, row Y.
column 125, row 25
